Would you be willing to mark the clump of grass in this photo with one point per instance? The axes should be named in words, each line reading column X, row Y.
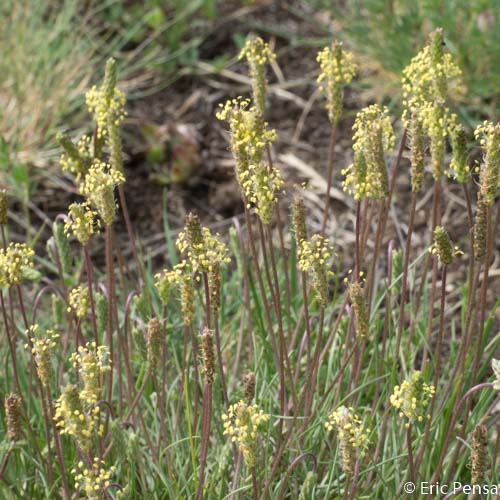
column 255, row 374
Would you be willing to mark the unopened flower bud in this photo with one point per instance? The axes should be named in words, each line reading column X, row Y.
column 13, row 416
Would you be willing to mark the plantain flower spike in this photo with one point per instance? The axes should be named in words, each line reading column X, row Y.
column 263, row 192
column 249, row 136
column 310, row 481
column 258, row 54
column 3, row 207
column 93, row 480
column 243, row 424
column 373, row 136
column 12, row 407
column 353, row 437
column 412, row 398
column 79, row 301
column 489, row 177
column 428, row 81
column 480, row 229
column 299, row 219
column 478, row 462
column 207, row 352
column 249, row 387
column 443, row 246
column 82, row 222
column 106, row 103
column 337, row 70
column 417, row 148
column 76, row 158
column 43, row 345
column 459, row 164
column 214, row 285
column 98, row 186
column 15, row 262
column 203, row 249
column 72, row 418
column 358, row 301
column 314, row 256
column 92, row 362
column 180, row 277
column 153, row 342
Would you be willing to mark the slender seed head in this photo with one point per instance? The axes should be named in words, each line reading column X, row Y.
column 3, row 208
column 13, row 417
column 299, row 219
column 249, row 387
column 62, row 245
column 153, row 342
column 489, row 177
column 459, row 165
column 443, row 247
column 417, row 147
column 207, row 352
column 358, row 301
column 214, row 284
column 109, row 80
column 480, row 229
column 479, row 461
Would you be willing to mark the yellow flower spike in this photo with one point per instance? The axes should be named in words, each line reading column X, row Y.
column 79, row 301
column 337, row 70
column 44, row 343
column 249, row 136
column 313, row 257
column 489, row 176
column 99, row 185
column 373, row 136
column 204, row 250
column 428, row 81
column 92, row 364
column 106, row 103
column 93, row 480
column 15, row 260
column 412, row 397
column 243, row 423
column 353, row 436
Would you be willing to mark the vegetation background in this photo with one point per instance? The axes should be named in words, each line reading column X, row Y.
column 177, row 60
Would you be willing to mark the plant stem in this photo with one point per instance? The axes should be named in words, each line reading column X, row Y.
column 331, row 149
